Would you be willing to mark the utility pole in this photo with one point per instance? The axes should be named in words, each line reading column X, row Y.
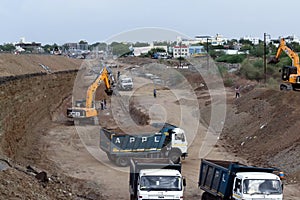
column 265, row 56
column 207, row 53
column 180, row 55
column 202, row 40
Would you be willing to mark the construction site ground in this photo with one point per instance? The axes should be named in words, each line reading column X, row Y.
column 260, row 128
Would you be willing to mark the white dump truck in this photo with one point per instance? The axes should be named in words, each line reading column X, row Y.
column 156, row 178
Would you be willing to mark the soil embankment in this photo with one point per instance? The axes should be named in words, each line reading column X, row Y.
column 263, row 127
column 29, row 100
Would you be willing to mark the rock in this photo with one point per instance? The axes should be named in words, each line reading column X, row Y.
column 42, row 176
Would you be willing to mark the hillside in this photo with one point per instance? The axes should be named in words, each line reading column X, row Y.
column 263, row 127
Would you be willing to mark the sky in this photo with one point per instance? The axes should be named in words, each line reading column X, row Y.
column 62, row 21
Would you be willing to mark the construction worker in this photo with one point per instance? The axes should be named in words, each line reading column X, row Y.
column 154, row 93
column 237, row 92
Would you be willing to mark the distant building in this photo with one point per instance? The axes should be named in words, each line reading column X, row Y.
column 181, row 51
column 137, row 51
column 197, row 50
column 292, row 38
column 32, row 47
column 218, row 40
column 253, row 40
column 76, row 50
column 76, row 46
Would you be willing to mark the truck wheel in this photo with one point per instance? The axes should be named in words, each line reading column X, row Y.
column 175, row 157
column 122, row 161
column 204, row 196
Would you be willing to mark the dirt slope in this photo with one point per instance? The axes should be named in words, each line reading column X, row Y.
column 11, row 64
column 263, row 127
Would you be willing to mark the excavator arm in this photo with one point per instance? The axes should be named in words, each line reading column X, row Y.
column 104, row 76
column 293, row 56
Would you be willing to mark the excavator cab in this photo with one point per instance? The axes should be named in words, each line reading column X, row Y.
column 287, row 71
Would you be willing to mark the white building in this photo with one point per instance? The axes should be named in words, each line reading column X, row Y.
column 292, row 38
column 218, row 40
column 181, row 51
column 137, row 51
column 253, row 40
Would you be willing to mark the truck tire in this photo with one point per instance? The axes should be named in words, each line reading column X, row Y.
column 208, row 196
column 122, row 161
column 204, row 196
column 175, row 156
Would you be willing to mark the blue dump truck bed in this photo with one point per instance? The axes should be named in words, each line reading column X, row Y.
column 116, row 143
column 216, row 177
column 123, row 143
column 121, row 147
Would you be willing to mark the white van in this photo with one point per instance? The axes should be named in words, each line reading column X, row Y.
column 125, row 83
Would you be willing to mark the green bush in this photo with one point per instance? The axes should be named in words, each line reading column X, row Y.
column 250, row 71
column 231, row 58
column 228, row 82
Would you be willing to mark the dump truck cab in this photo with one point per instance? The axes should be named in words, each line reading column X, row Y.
column 227, row 180
column 160, row 183
column 256, row 185
column 157, row 178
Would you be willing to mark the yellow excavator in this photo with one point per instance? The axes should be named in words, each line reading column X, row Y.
column 290, row 74
column 85, row 110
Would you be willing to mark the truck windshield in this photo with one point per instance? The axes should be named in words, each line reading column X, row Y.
column 166, row 183
column 126, row 81
column 259, row 186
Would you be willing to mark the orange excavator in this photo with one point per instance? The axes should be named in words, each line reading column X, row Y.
column 85, row 110
column 290, row 74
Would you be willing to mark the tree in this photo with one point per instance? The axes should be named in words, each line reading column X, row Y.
column 245, row 42
column 140, row 44
column 231, row 58
column 7, row 47
column 246, row 47
column 83, row 42
column 295, row 46
column 100, row 46
column 154, row 51
column 120, row 49
column 258, row 50
column 215, row 54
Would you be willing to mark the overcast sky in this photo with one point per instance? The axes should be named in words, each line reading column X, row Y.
column 61, row 21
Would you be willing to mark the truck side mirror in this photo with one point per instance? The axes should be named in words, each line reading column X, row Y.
column 184, row 181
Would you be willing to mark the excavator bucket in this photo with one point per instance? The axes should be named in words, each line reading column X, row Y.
column 273, row 60
column 109, row 92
